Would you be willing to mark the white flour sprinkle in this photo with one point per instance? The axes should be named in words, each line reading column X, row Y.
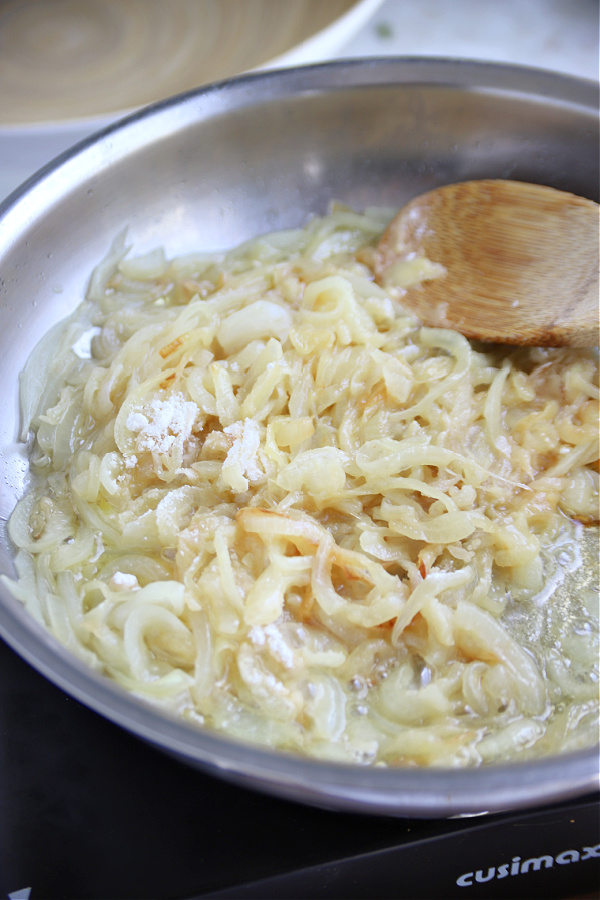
column 240, row 463
column 164, row 425
column 136, row 422
column 122, row 581
column 257, row 635
column 280, row 649
column 276, row 643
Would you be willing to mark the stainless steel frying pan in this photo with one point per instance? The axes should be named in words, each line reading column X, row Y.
column 220, row 164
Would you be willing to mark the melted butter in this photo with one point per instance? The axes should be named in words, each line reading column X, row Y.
column 568, row 606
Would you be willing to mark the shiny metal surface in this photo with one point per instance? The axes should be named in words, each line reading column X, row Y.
column 212, row 168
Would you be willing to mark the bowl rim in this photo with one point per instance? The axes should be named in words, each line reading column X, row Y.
column 428, row 792
column 306, row 52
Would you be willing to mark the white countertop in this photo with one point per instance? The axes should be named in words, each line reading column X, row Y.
column 561, row 35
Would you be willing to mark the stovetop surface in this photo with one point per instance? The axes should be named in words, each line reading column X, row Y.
column 90, row 811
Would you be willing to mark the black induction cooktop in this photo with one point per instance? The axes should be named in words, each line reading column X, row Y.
column 89, row 811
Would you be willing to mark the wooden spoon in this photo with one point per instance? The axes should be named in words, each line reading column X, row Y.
column 521, row 262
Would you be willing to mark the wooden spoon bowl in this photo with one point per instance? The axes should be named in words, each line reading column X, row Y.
column 520, row 260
